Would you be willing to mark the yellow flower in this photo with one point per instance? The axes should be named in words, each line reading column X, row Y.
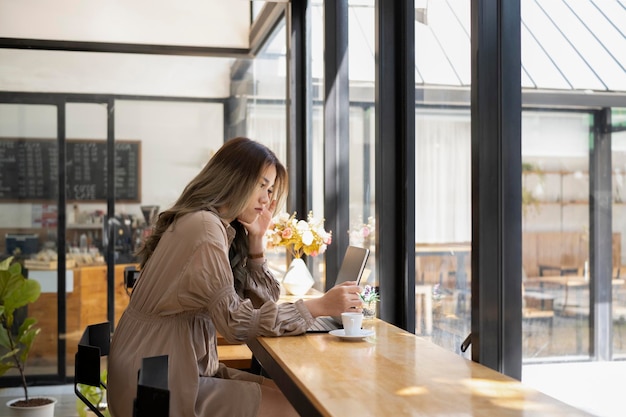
column 300, row 237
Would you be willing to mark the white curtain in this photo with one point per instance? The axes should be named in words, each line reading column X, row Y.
column 442, row 178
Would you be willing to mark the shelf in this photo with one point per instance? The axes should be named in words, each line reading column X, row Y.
column 574, row 203
column 85, row 226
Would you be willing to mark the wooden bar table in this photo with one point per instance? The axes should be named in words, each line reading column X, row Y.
column 393, row 373
column 567, row 282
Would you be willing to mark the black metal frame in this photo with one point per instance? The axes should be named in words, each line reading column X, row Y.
column 496, row 185
column 395, row 160
column 121, row 48
column 601, row 238
column 299, row 141
column 336, row 133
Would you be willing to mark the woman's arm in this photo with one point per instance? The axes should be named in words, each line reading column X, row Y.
column 344, row 297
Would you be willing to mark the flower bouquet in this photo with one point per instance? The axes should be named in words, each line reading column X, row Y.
column 362, row 234
column 370, row 297
column 300, row 238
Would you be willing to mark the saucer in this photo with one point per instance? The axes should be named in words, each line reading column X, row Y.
column 342, row 334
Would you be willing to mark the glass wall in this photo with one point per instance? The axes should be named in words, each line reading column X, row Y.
column 618, row 156
column 29, row 216
column 442, row 172
column 266, row 112
column 569, row 47
column 361, row 68
column 555, row 220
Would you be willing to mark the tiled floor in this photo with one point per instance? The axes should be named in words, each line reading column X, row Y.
column 596, row 387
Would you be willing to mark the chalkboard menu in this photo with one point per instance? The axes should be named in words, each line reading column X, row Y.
column 29, row 170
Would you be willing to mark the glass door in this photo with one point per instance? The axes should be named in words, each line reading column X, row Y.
column 29, row 219
column 85, row 212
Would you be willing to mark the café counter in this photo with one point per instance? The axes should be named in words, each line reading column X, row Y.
column 393, row 373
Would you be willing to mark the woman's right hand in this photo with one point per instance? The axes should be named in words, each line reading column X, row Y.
column 340, row 298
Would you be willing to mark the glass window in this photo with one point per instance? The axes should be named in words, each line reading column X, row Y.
column 29, row 217
column 443, row 172
column 361, row 45
column 264, row 94
column 555, row 233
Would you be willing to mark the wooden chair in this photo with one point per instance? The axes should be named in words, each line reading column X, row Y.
column 153, row 395
column 537, row 307
column 236, row 356
column 93, row 345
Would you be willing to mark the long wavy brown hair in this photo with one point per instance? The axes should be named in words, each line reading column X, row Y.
column 225, row 183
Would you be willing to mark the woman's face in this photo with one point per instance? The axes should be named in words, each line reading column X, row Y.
column 261, row 196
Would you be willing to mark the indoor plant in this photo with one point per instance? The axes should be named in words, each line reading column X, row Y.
column 299, row 237
column 15, row 292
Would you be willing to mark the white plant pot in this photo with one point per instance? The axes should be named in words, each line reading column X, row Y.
column 46, row 410
column 298, row 279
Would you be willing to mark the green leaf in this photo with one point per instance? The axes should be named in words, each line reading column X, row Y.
column 4, row 265
column 27, row 341
column 15, row 290
column 4, row 337
column 24, row 292
column 9, row 356
column 4, row 367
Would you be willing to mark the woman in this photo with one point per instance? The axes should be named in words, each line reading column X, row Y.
column 202, row 272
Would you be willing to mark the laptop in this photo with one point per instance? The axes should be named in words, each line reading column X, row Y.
column 351, row 269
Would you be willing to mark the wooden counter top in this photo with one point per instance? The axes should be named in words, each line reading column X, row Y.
column 393, row 373
column 567, row 280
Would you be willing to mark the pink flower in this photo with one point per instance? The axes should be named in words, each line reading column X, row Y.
column 287, row 233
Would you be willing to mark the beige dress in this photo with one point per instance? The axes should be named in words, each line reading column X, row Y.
column 186, row 293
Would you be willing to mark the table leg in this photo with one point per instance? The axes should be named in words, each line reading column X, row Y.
column 418, row 313
column 461, row 283
column 428, row 313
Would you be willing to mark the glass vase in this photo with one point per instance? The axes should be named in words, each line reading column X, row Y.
column 369, row 310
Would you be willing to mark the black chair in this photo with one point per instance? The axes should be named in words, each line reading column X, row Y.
column 93, row 345
column 153, row 395
column 131, row 273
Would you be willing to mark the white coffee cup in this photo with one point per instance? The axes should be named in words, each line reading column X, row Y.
column 352, row 323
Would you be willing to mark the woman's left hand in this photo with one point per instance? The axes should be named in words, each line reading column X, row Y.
column 261, row 223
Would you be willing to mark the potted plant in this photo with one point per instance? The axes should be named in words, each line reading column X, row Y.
column 15, row 292
column 370, row 298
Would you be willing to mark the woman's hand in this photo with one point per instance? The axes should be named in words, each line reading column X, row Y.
column 258, row 227
column 262, row 222
column 343, row 297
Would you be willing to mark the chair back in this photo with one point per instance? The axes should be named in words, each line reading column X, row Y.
column 94, row 344
column 153, row 395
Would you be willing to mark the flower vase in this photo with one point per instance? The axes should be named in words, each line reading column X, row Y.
column 298, row 279
column 369, row 310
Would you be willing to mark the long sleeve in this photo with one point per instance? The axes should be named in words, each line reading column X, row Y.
column 207, row 282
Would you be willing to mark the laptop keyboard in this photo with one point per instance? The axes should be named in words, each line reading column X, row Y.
column 323, row 324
